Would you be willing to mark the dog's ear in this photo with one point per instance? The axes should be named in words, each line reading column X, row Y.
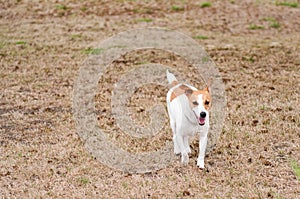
column 208, row 84
column 206, row 89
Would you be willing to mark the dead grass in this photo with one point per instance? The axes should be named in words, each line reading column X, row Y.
column 42, row 46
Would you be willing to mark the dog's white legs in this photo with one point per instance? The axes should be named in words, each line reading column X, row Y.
column 202, row 147
column 185, row 158
column 186, row 144
column 179, row 140
column 173, row 127
column 176, row 146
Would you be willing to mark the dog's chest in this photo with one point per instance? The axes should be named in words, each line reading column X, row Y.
column 188, row 128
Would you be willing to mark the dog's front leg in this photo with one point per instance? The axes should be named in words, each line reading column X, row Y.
column 202, row 148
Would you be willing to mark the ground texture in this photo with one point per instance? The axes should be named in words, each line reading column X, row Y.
column 255, row 45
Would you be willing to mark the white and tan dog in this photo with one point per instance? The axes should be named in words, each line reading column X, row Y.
column 188, row 111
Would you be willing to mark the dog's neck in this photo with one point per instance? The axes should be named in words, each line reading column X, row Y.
column 188, row 113
column 192, row 118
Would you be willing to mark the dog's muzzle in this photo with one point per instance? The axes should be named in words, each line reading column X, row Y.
column 201, row 118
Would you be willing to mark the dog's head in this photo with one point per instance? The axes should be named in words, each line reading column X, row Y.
column 200, row 103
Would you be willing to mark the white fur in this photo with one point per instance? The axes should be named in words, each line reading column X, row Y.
column 184, row 123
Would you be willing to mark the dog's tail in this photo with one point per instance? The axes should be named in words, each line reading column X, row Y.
column 170, row 77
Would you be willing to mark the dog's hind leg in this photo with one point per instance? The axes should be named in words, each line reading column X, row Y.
column 176, row 146
column 186, row 144
column 173, row 127
column 180, row 144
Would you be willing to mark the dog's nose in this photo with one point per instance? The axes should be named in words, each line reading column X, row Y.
column 202, row 114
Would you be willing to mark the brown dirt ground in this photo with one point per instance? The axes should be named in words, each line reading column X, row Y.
column 255, row 45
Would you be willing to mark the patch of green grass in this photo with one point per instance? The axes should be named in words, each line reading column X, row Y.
column 288, row 4
column 144, row 20
column 273, row 22
column 83, row 9
column 143, row 11
column 76, row 36
column 266, row 122
column 263, row 108
column 20, row 42
column 125, row 185
column 278, row 196
column 93, row 51
column 205, row 59
column 250, row 59
column 255, row 27
column 143, row 62
column 84, row 180
column 49, row 193
column 296, row 169
column 61, row 7
column 269, row 19
column 201, row 37
column 205, row 5
column 177, row 8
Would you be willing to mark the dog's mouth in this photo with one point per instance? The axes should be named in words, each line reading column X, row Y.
column 201, row 120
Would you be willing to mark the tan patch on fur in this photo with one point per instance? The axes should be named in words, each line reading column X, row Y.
column 192, row 95
column 174, row 83
column 182, row 89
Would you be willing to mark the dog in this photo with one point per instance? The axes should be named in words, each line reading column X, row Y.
column 188, row 112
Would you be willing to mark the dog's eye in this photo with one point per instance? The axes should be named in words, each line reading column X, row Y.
column 195, row 103
column 206, row 102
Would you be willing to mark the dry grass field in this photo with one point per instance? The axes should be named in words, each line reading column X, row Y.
column 254, row 44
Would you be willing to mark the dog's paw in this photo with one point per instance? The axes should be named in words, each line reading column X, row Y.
column 185, row 159
column 177, row 152
column 200, row 163
column 176, row 149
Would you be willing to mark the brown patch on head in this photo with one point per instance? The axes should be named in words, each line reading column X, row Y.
column 193, row 95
